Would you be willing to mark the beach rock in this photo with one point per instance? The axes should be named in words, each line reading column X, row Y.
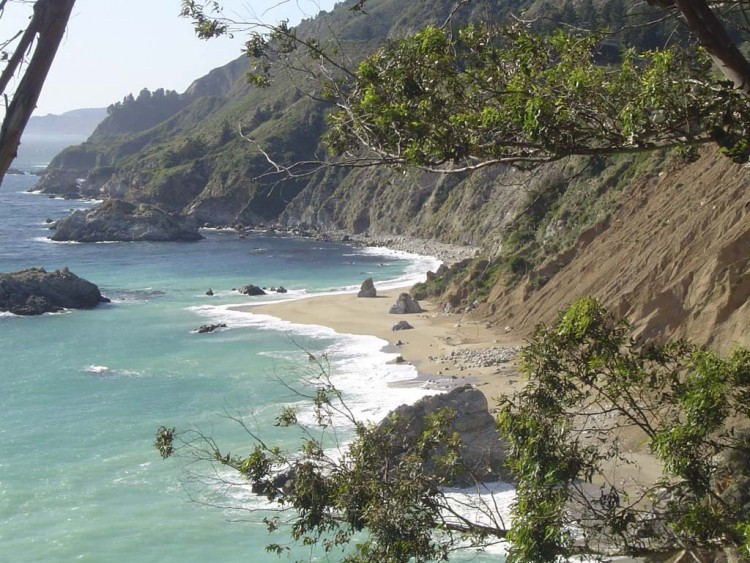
column 251, row 290
column 203, row 329
column 280, row 289
column 281, row 484
column 401, row 325
column 405, row 304
column 367, row 289
column 482, row 450
column 480, row 358
column 36, row 291
column 116, row 220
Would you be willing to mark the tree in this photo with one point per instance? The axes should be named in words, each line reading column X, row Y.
column 704, row 22
column 452, row 98
column 589, row 384
column 42, row 35
column 371, row 500
column 486, row 96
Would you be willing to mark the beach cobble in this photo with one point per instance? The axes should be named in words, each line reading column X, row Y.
column 479, row 358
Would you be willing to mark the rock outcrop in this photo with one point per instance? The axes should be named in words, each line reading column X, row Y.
column 401, row 325
column 116, row 220
column 251, row 290
column 405, row 304
column 36, row 291
column 204, row 329
column 367, row 289
column 482, row 449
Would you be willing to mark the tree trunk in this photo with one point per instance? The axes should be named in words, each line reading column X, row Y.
column 714, row 38
column 49, row 22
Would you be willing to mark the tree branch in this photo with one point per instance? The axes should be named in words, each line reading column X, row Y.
column 50, row 20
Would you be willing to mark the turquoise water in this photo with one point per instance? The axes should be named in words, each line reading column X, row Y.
column 82, row 393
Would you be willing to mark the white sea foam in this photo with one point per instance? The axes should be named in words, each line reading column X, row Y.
column 106, row 371
column 50, row 241
column 416, row 272
column 359, row 367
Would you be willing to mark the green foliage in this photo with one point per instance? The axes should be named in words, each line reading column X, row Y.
column 136, row 114
column 494, row 95
column 473, row 278
column 165, row 441
column 379, row 499
column 188, row 149
column 588, row 383
column 205, row 26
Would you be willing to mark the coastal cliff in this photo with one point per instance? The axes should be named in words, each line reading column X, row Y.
column 599, row 226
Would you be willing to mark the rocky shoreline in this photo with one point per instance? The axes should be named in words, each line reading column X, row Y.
column 444, row 252
column 448, row 253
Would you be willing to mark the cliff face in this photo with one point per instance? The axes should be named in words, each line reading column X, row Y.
column 674, row 258
column 203, row 153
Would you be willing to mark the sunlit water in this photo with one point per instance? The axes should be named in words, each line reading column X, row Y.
column 82, row 393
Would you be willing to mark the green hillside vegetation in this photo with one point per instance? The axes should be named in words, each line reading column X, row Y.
column 193, row 161
column 523, row 169
column 205, row 152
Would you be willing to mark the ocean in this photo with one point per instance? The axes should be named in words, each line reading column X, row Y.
column 83, row 392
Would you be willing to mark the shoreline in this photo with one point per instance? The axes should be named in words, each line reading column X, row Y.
column 446, row 349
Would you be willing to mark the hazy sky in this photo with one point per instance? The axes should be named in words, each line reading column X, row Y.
column 115, row 47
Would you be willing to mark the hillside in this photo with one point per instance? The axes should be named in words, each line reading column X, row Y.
column 79, row 122
column 673, row 258
column 656, row 238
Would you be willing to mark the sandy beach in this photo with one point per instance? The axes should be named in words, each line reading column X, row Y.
column 445, row 348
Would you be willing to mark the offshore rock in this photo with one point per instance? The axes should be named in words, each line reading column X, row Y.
column 251, row 290
column 116, row 220
column 204, row 329
column 482, row 450
column 36, row 291
column 367, row 289
column 405, row 304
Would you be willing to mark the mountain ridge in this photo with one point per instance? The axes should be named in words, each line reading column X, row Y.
column 80, row 122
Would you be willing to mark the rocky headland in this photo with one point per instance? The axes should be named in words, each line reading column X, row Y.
column 116, row 220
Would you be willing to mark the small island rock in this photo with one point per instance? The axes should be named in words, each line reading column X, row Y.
column 367, row 289
column 36, row 291
column 116, row 220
